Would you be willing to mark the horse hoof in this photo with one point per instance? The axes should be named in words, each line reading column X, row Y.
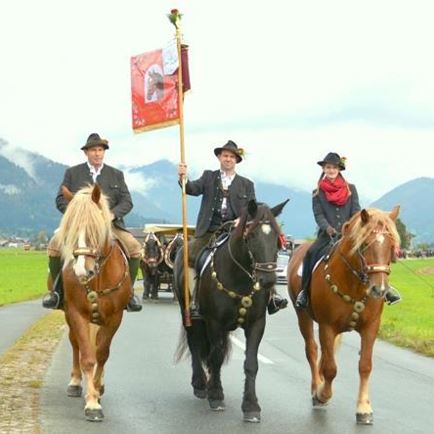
column 365, row 418
column 74, row 391
column 200, row 393
column 252, row 416
column 317, row 403
column 94, row 415
column 217, row 404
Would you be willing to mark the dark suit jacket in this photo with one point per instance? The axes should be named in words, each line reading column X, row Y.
column 110, row 180
column 327, row 214
column 240, row 192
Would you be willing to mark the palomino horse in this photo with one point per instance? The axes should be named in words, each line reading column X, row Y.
column 153, row 257
column 234, row 290
column 97, row 286
column 347, row 293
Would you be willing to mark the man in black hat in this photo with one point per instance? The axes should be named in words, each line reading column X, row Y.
column 224, row 195
column 113, row 185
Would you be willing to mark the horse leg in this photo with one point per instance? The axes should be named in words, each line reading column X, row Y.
column 74, row 387
column 218, row 350
column 364, row 414
column 199, row 348
column 250, row 406
column 145, row 287
column 82, row 330
column 327, row 365
column 305, row 325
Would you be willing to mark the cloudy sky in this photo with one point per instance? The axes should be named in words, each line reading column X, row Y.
column 287, row 80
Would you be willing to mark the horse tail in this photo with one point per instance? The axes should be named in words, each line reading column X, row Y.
column 181, row 349
column 193, row 338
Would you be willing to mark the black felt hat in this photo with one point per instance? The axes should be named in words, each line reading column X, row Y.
column 333, row 158
column 232, row 147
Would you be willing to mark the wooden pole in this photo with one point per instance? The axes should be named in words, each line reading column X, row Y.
column 187, row 316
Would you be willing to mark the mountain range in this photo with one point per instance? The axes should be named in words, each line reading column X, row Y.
column 27, row 194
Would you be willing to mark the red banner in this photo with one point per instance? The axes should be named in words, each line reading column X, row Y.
column 154, row 90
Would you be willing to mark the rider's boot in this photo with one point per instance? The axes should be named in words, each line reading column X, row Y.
column 193, row 285
column 133, row 303
column 392, row 296
column 303, row 296
column 276, row 302
column 54, row 299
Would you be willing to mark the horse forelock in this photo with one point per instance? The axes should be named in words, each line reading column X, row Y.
column 379, row 221
column 263, row 215
column 82, row 213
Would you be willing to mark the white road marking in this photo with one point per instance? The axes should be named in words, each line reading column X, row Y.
column 241, row 345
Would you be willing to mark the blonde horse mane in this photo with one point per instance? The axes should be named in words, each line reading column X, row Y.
column 358, row 231
column 82, row 213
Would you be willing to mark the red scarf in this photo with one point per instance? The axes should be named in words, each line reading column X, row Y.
column 336, row 192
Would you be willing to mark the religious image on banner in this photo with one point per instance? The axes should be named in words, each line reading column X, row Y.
column 154, row 88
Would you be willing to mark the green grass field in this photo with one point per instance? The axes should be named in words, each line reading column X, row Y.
column 409, row 324
column 23, row 275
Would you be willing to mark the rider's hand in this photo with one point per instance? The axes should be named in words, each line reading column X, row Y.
column 331, row 231
column 182, row 169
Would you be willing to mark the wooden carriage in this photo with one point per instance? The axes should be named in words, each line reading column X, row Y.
column 170, row 237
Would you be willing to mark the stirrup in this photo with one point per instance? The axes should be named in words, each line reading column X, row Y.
column 302, row 300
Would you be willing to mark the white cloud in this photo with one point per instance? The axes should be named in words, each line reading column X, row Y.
column 137, row 182
column 18, row 156
column 288, row 80
column 10, row 189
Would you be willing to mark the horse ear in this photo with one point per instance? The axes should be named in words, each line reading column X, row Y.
column 364, row 215
column 394, row 213
column 344, row 228
column 276, row 210
column 96, row 194
column 252, row 207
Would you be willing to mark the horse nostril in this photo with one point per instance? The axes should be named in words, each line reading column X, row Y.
column 90, row 273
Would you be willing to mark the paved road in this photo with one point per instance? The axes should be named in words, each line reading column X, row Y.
column 16, row 318
column 147, row 392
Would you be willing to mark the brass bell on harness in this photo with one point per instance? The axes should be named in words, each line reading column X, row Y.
column 242, row 311
column 328, row 277
column 94, row 306
column 355, row 316
column 92, row 296
column 353, row 324
column 240, row 320
column 219, row 286
column 347, row 298
column 232, row 294
column 256, row 286
column 246, row 301
column 359, row 306
column 334, row 288
column 214, row 275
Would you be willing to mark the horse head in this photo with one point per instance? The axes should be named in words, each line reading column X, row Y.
column 85, row 232
column 260, row 231
column 153, row 251
column 372, row 237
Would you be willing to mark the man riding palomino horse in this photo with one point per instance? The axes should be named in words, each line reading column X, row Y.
column 334, row 202
column 113, row 185
column 224, row 195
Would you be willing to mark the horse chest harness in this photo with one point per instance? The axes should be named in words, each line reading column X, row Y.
column 93, row 294
column 362, row 275
column 245, row 300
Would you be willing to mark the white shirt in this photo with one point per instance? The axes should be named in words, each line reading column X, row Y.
column 93, row 171
column 226, row 182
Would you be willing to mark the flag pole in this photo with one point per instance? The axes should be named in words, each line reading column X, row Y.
column 175, row 18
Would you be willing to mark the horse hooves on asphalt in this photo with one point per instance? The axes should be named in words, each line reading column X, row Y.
column 317, row 404
column 365, row 418
column 252, row 416
column 216, row 405
column 74, row 391
column 200, row 393
column 94, row 415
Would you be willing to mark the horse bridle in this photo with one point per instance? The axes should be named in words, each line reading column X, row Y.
column 152, row 262
column 366, row 269
column 267, row 267
column 100, row 261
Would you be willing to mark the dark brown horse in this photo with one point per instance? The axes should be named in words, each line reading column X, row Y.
column 347, row 293
column 97, row 286
column 234, row 290
column 152, row 258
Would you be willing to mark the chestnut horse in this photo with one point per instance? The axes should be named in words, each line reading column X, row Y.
column 234, row 290
column 97, row 286
column 347, row 293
